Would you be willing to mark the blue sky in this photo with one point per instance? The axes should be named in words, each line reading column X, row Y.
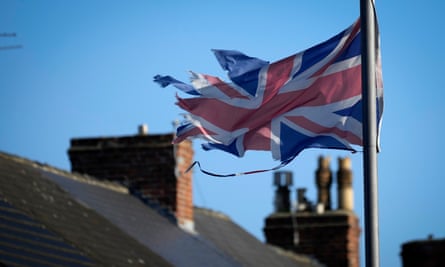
column 85, row 69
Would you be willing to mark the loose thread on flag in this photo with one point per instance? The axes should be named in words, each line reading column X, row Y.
column 238, row 173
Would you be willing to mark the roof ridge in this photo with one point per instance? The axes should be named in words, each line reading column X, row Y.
column 308, row 259
column 84, row 178
column 213, row 213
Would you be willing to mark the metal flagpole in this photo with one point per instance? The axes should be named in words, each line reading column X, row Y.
column 368, row 56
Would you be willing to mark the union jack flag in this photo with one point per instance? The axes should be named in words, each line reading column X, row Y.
column 311, row 99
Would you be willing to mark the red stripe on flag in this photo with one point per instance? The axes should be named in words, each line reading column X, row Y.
column 258, row 140
column 278, row 74
column 224, row 87
column 335, row 87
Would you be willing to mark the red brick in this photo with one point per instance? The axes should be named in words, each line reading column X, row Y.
column 146, row 163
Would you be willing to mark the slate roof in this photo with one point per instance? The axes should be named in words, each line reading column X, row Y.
column 25, row 241
column 42, row 225
column 101, row 223
column 242, row 246
column 142, row 223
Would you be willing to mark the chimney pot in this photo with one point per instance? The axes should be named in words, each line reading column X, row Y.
column 345, row 163
column 323, row 180
column 143, row 129
column 320, row 208
column 282, row 180
column 323, row 162
column 303, row 204
column 344, row 183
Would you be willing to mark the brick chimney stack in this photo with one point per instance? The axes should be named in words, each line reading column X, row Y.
column 428, row 252
column 184, row 187
column 331, row 236
column 149, row 165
